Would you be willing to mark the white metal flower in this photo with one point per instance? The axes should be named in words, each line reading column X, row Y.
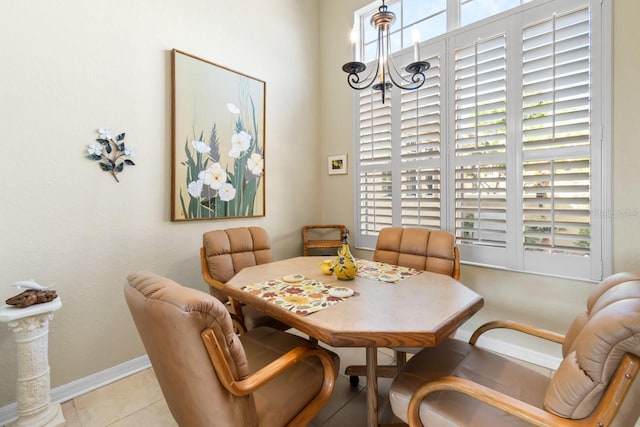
column 195, row 188
column 255, row 164
column 95, row 149
column 201, row 147
column 214, row 176
column 129, row 151
column 227, row 192
column 104, row 133
column 232, row 108
column 240, row 142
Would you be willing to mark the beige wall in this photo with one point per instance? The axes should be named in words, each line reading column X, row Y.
column 71, row 67
column 545, row 301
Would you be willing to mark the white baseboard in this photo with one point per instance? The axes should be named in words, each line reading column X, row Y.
column 84, row 385
column 517, row 352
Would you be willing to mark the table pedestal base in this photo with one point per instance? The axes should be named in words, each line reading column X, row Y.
column 372, row 387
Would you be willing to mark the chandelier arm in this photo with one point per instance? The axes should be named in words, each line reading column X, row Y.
column 417, row 80
column 398, row 73
column 354, row 79
column 417, row 75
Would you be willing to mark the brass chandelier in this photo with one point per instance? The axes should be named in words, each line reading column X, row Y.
column 385, row 74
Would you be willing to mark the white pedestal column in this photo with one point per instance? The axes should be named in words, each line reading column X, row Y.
column 30, row 327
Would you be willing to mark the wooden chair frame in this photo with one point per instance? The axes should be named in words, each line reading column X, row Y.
column 270, row 371
column 321, row 244
column 603, row 415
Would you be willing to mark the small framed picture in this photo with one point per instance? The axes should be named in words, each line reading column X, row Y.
column 337, row 165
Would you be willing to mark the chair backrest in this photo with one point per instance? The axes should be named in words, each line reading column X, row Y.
column 419, row 248
column 229, row 251
column 594, row 345
column 169, row 319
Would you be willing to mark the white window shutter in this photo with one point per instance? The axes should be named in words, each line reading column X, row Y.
column 420, row 151
column 556, row 136
column 480, row 143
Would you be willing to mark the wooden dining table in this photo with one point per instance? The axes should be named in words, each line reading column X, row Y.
column 418, row 311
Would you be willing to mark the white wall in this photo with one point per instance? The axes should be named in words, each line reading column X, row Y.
column 71, row 67
column 544, row 301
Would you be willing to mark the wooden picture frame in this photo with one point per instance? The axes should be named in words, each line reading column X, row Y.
column 218, row 141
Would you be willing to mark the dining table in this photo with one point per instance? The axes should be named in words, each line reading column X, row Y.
column 391, row 306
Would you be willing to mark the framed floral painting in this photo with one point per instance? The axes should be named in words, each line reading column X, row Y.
column 218, row 119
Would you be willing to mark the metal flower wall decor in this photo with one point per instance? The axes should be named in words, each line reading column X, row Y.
column 112, row 153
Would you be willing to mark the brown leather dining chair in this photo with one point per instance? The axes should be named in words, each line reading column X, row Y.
column 419, row 248
column 460, row 384
column 210, row 376
column 223, row 254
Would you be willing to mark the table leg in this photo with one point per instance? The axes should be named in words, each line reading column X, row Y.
column 372, row 387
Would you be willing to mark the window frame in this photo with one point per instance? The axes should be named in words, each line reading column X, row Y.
column 600, row 261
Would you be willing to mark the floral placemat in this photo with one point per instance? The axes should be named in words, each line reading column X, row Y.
column 305, row 297
column 384, row 272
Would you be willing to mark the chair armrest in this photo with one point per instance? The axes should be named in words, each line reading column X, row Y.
column 270, row 371
column 516, row 326
column 518, row 408
column 603, row 414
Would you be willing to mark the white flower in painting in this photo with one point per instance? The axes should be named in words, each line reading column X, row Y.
column 129, row 151
column 240, row 142
column 195, row 188
column 232, row 108
column 234, row 152
column 214, row 176
column 255, row 164
column 227, row 192
column 95, row 149
column 201, row 147
column 104, row 133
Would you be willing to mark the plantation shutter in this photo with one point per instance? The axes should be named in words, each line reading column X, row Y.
column 420, row 152
column 374, row 155
column 556, row 134
column 480, row 108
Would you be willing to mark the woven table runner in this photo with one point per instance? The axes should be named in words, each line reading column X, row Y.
column 305, row 297
column 384, row 272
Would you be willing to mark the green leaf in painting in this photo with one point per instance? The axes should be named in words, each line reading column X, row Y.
column 184, row 209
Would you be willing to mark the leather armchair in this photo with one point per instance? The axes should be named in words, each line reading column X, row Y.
column 461, row 384
column 419, row 248
column 223, row 254
column 212, row 377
